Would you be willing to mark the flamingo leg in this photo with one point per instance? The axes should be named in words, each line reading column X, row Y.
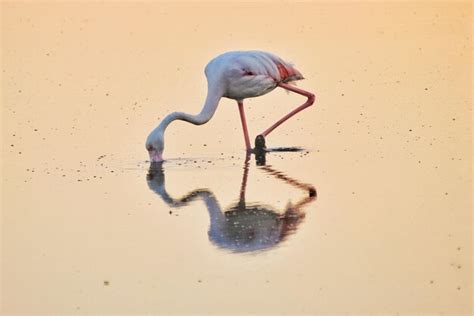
column 244, row 125
column 308, row 103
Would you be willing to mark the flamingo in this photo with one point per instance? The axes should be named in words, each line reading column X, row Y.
column 236, row 75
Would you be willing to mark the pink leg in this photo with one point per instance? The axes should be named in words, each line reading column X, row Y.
column 244, row 125
column 308, row 102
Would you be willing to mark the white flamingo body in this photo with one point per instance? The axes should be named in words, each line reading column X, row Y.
column 248, row 74
column 235, row 75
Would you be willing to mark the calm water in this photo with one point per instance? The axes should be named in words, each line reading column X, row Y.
column 373, row 216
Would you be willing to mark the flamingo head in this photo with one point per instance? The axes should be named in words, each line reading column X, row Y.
column 155, row 145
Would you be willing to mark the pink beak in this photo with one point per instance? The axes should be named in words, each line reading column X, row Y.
column 155, row 156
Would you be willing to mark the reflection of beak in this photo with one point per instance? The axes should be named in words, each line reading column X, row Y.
column 155, row 156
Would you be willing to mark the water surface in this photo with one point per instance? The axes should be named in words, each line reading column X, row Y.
column 372, row 217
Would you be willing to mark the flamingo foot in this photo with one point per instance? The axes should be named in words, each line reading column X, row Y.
column 260, row 150
column 260, row 143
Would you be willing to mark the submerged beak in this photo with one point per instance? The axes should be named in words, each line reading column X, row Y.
column 155, row 156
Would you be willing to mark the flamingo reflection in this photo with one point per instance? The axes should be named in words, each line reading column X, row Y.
column 243, row 227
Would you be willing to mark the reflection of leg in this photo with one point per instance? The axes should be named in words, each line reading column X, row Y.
column 280, row 175
column 308, row 103
column 244, row 125
column 260, row 158
column 260, row 150
column 293, row 214
column 243, row 186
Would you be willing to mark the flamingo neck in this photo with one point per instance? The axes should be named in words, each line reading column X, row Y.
column 156, row 141
column 156, row 182
column 207, row 112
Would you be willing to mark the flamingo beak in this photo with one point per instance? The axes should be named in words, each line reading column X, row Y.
column 155, row 156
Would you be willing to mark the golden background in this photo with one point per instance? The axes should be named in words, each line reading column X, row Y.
column 390, row 154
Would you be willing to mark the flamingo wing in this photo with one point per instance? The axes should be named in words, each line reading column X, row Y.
column 251, row 73
column 268, row 64
column 286, row 71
